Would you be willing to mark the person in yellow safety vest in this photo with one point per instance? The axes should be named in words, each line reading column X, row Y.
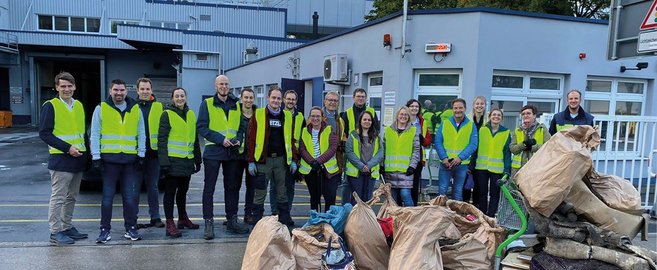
column 290, row 101
column 218, row 122
column 492, row 160
column 573, row 115
column 247, row 97
column 401, row 155
column 478, row 117
column 151, row 111
column 428, row 112
column 456, row 140
column 349, row 117
column 118, row 146
column 364, row 156
column 271, row 153
column 318, row 164
column 180, row 157
column 527, row 138
column 333, row 119
column 62, row 127
column 425, row 141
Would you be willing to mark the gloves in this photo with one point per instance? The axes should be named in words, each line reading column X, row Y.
column 197, row 167
column 252, row 169
column 293, row 167
column 165, row 170
column 139, row 164
column 97, row 164
column 315, row 165
column 410, row 171
column 529, row 143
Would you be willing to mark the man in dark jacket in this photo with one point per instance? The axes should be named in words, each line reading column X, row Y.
column 62, row 128
column 573, row 115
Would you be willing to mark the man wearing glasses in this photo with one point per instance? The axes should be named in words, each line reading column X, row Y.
column 331, row 102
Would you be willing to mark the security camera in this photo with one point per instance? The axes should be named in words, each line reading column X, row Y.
column 642, row 65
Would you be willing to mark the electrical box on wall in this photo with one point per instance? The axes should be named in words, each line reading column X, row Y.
column 438, row 47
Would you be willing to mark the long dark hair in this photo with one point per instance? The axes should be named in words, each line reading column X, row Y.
column 372, row 133
column 411, row 101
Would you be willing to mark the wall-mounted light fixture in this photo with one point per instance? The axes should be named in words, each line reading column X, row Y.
column 639, row 66
column 582, row 56
column 386, row 41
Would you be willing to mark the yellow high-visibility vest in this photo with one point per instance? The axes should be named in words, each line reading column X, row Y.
column 516, row 161
column 226, row 126
column 399, row 149
column 352, row 118
column 307, row 139
column 69, row 124
column 154, row 123
column 455, row 141
column 298, row 120
column 490, row 155
column 261, row 129
column 180, row 143
column 351, row 169
column 118, row 135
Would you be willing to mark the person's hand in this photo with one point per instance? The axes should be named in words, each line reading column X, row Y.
column 455, row 162
column 74, row 151
column 293, row 167
column 97, row 164
column 315, row 166
column 410, row 171
column 365, row 169
column 446, row 163
column 197, row 167
column 227, row 143
column 165, row 170
column 236, row 143
column 139, row 164
column 252, row 169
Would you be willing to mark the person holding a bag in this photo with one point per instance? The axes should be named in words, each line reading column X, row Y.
column 401, row 148
column 363, row 157
column 179, row 154
column 527, row 138
column 318, row 163
column 424, row 136
column 493, row 159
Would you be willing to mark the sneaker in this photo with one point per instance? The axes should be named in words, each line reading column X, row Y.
column 104, row 236
column 236, row 226
column 73, row 233
column 61, row 239
column 157, row 223
column 132, row 234
column 209, row 229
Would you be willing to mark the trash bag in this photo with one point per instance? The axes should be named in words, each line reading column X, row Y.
column 269, row 246
column 467, row 254
column 365, row 239
column 309, row 243
column 491, row 235
column 548, row 176
column 336, row 216
column 616, row 192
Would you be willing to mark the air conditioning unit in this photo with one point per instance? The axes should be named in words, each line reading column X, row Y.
column 335, row 68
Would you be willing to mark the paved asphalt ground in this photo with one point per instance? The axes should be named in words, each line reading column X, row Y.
column 24, row 194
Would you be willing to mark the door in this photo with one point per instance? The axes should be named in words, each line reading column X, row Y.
column 299, row 87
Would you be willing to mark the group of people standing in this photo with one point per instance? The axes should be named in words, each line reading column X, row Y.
column 136, row 141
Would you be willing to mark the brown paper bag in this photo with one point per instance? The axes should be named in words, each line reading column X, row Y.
column 467, row 254
column 269, row 246
column 388, row 202
column 365, row 238
column 617, row 192
column 484, row 228
column 548, row 176
column 306, row 247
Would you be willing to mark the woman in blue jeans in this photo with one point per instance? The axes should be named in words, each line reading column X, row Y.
column 401, row 148
column 364, row 155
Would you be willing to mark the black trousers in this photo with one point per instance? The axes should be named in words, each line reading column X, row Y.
column 487, row 191
column 232, row 185
column 417, row 179
column 175, row 187
column 319, row 185
column 249, row 181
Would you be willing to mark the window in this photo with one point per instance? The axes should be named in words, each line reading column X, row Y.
column 77, row 24
column 507, row 81
column 440, row 87
column 68, row 24
column 45, row 22
column 375, row 92
column 114, row 24
column 61, row 23
column 202, row 57
column 259, row 95
column 171, row 25
column 439, row 80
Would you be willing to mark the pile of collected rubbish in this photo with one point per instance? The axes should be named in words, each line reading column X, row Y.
column 580, row 214
column 444, row 234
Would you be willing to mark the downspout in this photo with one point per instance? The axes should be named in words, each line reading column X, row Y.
column 615, row 37
column 27, row 15
column 404, row 17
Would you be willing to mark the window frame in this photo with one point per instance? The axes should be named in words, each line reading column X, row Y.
column 69, row 25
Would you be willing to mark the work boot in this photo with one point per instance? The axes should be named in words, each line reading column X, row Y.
column 209, row 229
column 284, row 214
column 248, row 219
column 184, row 222
column 171, row 229
column 157, row 223
column 256, row 215
column 236, row 226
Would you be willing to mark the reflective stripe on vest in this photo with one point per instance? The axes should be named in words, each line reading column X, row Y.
column 490, row 155
column 351, row 169
column 307, row 139
column 352, row 118
column 399, row 149
column 298, row 120
column 154, row 123
column 69, row 124
column 516, row 161
column 455, row 141
column 564, row 126
column 226, row 126
column 118, row 135
column 261, row 130
column 180, row 143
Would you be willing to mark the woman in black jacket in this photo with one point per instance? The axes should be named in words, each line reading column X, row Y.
column 179, row 154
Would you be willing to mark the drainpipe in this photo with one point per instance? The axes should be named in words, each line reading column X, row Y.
column 404, row 18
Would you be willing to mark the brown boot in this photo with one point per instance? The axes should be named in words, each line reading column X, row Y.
column 184, row 222
column 172, row 230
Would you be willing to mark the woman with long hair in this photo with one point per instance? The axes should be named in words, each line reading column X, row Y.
column 401, row 148
column 493, row 161
column 364, row 155
column 179, row 154
column 478, row 117
column 318, row 163
column 421, row 128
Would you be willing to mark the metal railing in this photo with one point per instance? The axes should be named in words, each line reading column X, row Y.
column 8, row 42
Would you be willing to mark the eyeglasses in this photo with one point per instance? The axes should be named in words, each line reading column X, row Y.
column 332, row 100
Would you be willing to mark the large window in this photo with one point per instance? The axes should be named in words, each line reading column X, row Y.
column 68, row 24
column 375, row 91
column 114, row 24
column 440, row 87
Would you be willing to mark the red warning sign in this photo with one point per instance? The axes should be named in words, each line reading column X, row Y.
column 651, row 18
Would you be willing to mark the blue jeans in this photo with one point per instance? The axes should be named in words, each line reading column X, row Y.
column 457, row 173
column 151, row 175
column 128, row 177
column 405, row 194
column 363, row 185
